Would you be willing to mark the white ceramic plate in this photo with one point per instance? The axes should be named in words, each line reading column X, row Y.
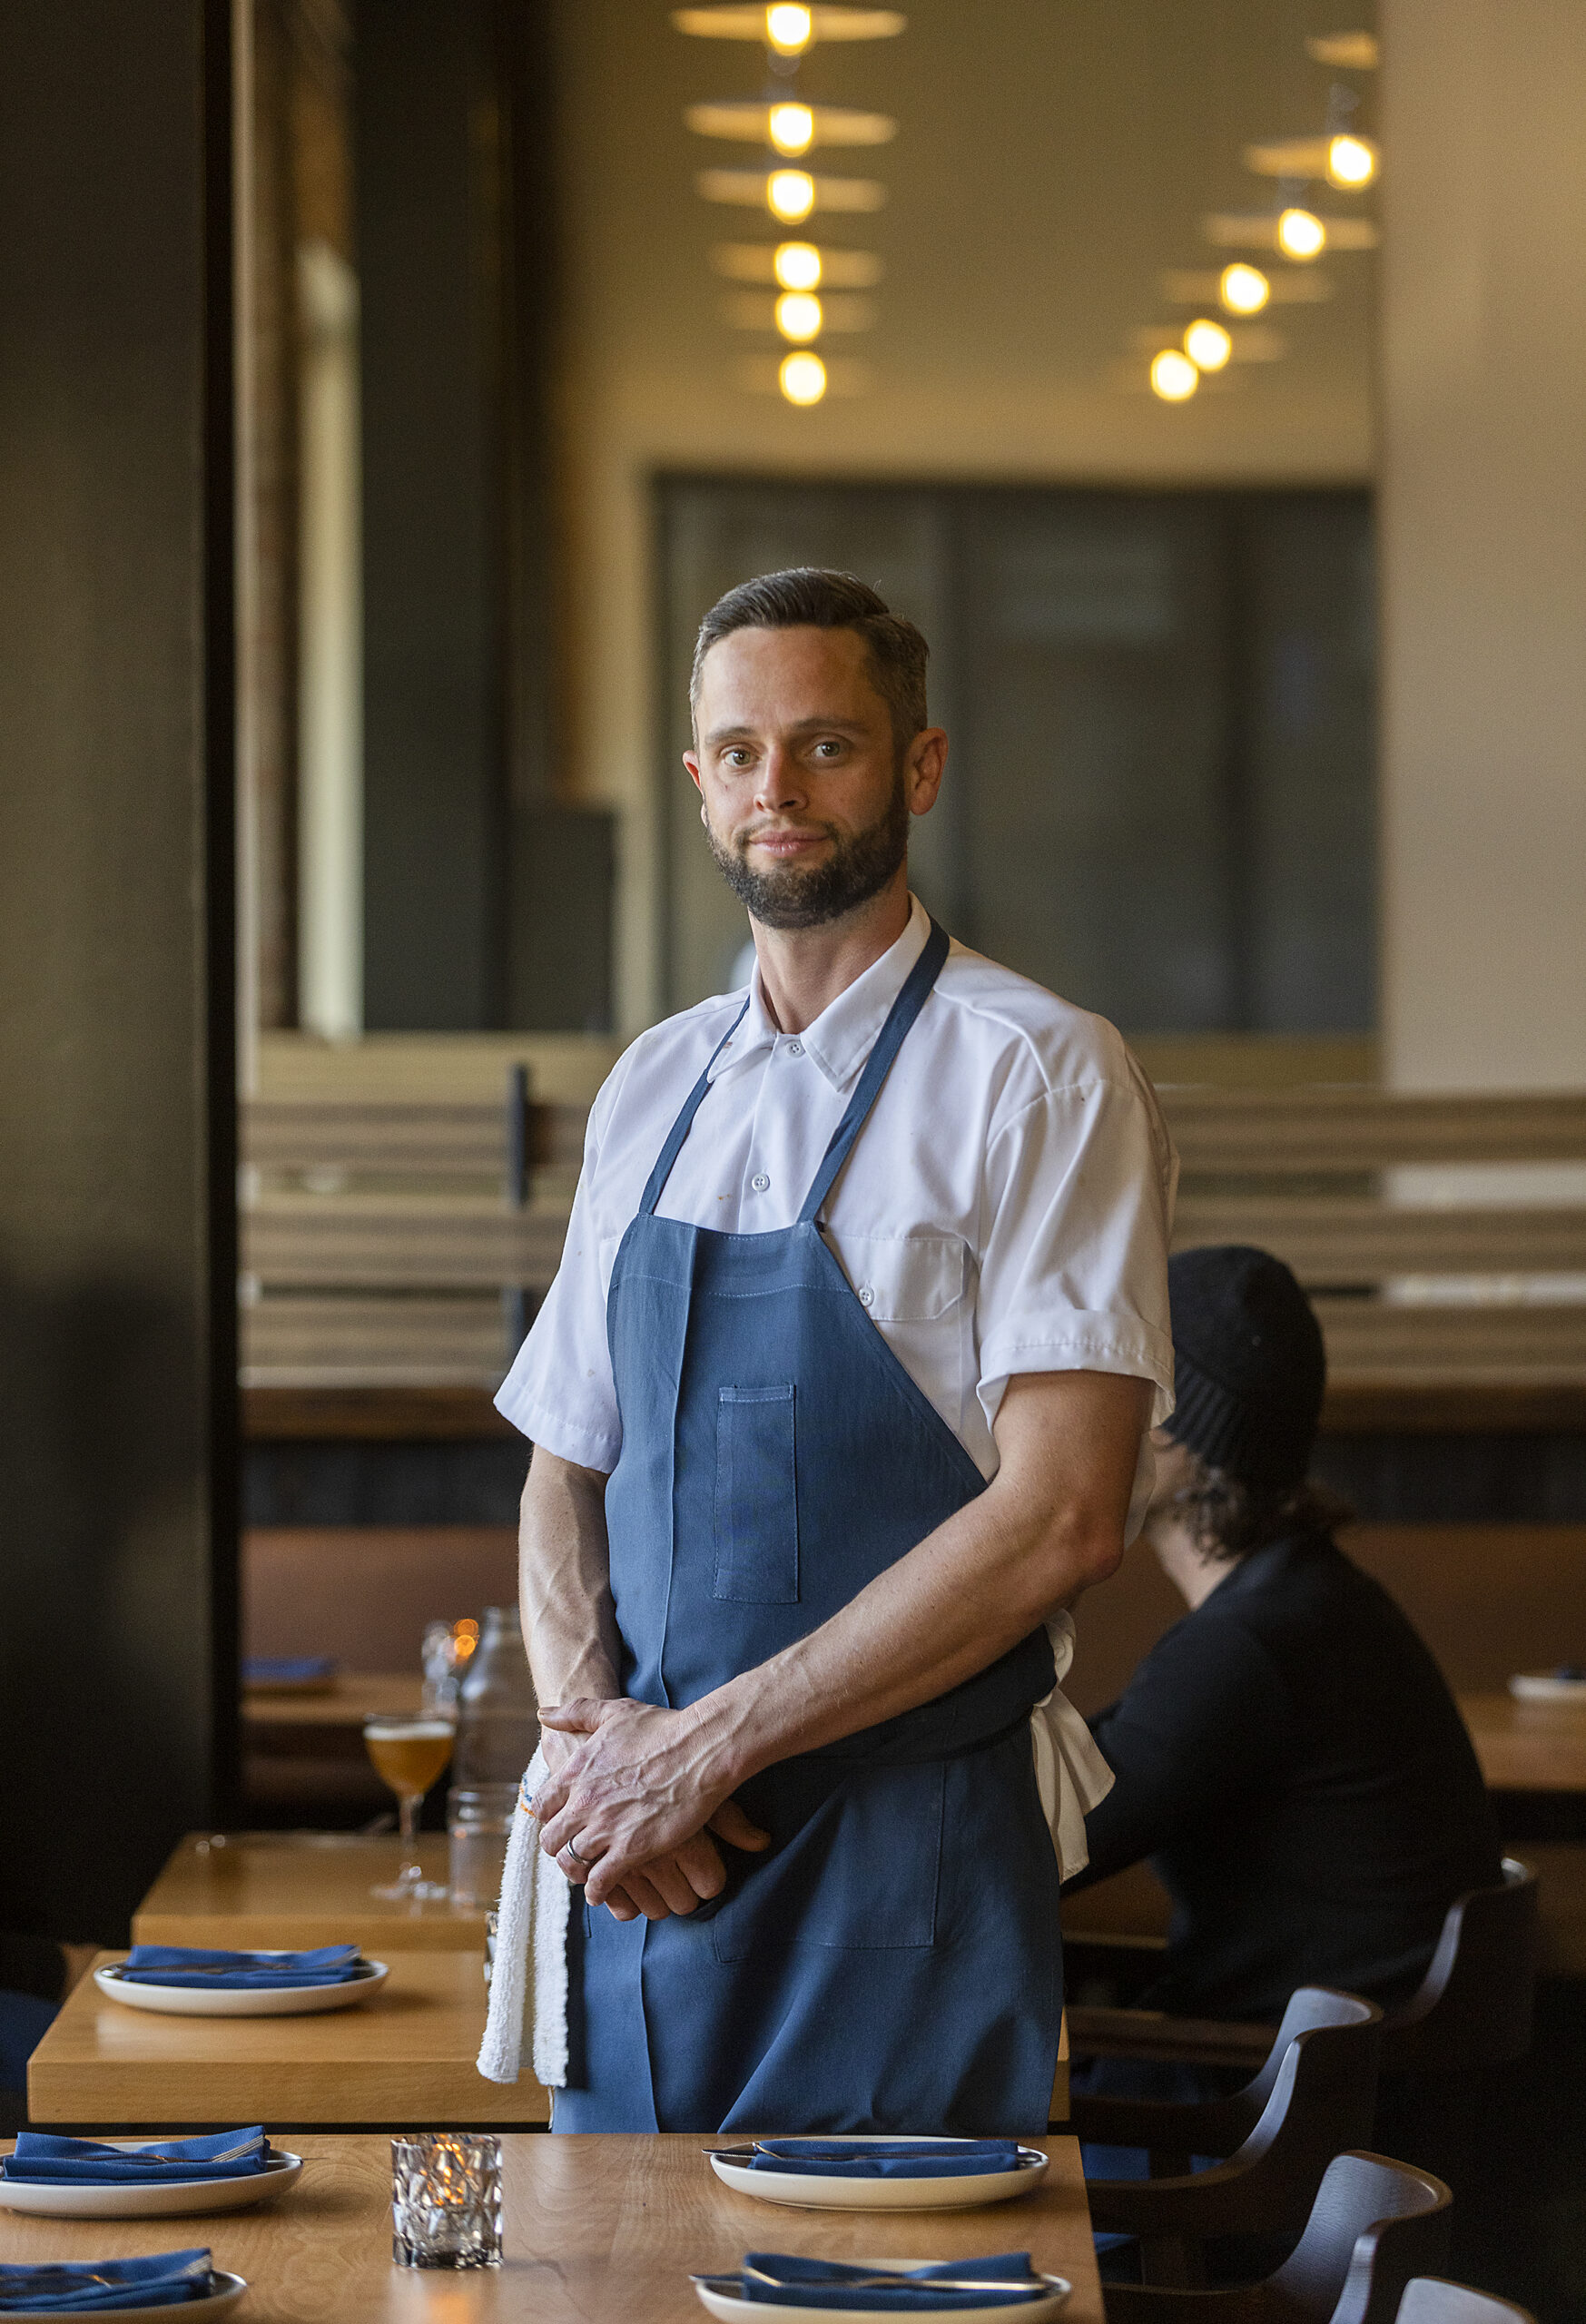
column 166, row 2199
column 228, row 2292
column 808, row 2191
column 1542, row 1687
column 734, row 2309
column 248, row 2001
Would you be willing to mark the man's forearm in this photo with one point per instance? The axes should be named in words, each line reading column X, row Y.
column 644, row 1778
column 968, row 1593
column 564, row 1581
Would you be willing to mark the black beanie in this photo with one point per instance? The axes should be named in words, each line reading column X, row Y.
column 1248, row 1362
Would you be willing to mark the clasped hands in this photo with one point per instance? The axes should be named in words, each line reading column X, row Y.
column 630, row 1807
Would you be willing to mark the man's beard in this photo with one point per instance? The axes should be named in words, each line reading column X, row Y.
column 857, row 869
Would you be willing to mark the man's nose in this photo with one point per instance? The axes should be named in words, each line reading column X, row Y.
column 779, row 785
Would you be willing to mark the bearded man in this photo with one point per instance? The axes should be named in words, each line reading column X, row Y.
column 838, row 1402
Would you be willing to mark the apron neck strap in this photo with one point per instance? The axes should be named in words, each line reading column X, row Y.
column 684, row 1122
column 889, row 1041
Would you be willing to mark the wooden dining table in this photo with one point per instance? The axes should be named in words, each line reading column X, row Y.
column 603, row 2229
column 249, row 1890
column 403, row 2057
column 1527, row 1746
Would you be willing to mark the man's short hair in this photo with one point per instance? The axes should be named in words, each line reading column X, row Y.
column 808, row 596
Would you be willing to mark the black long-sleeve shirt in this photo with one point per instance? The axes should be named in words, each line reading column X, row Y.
column 1290, row 1758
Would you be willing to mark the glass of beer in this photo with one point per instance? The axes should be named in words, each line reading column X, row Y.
column 408, row 1749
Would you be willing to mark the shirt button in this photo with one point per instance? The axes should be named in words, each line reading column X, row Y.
column 795, row 1049
column 866, row 1295
column 760, row 1182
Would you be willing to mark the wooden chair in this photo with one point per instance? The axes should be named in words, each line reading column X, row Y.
column 1374, row 2226
column 1473, row 2006
column 1429, row 2300
column 1171, row 2130
column 1472, row 2009
column 1315, row 2095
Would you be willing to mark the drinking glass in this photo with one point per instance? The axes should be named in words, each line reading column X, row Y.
column 408, row 1751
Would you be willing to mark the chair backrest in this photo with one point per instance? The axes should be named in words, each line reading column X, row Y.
column 1374, row 2225
column 1473, row 2006
column 1323, row 2100
column 1309, row 2008
column 1430, row 2299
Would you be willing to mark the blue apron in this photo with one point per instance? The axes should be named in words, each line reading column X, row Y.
column 892, row 1962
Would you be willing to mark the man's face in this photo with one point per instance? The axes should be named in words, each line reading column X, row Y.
column 804, row 797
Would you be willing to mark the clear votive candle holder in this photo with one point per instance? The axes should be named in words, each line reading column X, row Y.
column 446, row 2200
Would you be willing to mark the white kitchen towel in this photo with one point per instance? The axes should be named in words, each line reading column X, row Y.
column 531, row 1927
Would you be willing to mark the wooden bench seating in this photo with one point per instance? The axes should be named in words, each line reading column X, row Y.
column 380, row 1229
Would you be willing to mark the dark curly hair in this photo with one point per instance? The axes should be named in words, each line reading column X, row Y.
column 1228, row 1519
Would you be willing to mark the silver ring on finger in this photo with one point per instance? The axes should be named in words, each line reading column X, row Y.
column 569, row 1850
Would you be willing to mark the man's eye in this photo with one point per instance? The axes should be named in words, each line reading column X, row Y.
column 831, row 748
column 735, row 757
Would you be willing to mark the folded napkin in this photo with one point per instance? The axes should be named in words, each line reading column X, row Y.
column 797, row 2282
column 886, row 2158
column 157, row 2282
column 45, row 2161
column 189, row 1964
column 286, row 1670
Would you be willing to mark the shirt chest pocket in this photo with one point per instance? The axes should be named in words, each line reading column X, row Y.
column 905, row 1278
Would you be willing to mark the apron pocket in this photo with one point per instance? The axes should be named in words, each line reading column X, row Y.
column 756, row 1505
column 859, row 1875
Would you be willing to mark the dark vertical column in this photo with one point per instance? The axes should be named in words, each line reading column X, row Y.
column 117, row 1300
column 428, row 192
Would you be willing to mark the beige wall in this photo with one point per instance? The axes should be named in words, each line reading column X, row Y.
column 1051, row 163
column 1484, row 543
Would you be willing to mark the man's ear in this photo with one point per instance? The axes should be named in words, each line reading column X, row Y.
column 691, row 761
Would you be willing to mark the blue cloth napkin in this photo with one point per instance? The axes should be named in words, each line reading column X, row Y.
column 828, row 2283
column 286, row 1670
column 886, row 2158
column 157, row 2282
column 189, row 1964
column 45, row 2161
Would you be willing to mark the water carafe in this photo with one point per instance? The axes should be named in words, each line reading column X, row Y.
column 497, row 1734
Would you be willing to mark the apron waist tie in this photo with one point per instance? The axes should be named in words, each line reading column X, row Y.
column 1070, row 1773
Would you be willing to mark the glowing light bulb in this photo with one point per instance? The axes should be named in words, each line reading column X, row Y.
column 798, row 266
column 792, row 128
column 798, row 315
column 1207, row 346
column 1351, row 160
column 1244, row 290
column 1301, row 234
column 803, row 378
column 788, row 30
column 791, row 195
column 1173, row 376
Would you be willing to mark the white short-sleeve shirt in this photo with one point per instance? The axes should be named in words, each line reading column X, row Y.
column 1005, row 1208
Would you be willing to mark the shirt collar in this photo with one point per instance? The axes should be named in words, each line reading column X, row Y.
column 844, row 1033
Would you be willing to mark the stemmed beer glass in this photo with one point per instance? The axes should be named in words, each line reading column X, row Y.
column 408, row 1749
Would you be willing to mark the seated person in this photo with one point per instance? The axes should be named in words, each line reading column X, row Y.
column 1288, row 1756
